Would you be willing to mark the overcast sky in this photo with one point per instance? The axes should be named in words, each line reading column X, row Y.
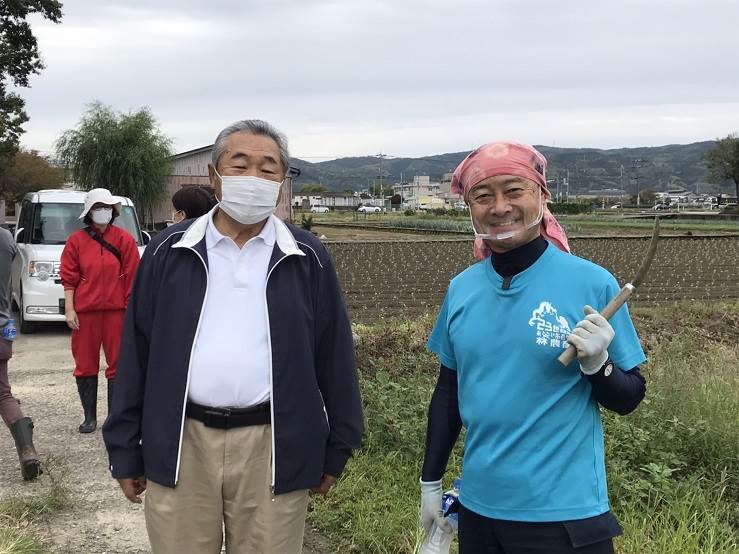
column 401, row 77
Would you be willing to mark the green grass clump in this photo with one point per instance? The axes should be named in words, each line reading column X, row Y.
column 19, row 514
column 16, row 540
column 673, row 465
column 374, row 506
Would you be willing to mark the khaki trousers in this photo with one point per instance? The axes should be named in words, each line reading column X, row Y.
column 224, row 482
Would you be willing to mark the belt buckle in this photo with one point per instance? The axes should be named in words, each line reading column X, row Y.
column 221, row 417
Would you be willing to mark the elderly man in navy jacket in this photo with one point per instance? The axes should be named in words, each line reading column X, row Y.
column 237, row 391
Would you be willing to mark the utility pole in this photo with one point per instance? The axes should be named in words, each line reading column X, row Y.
column 382, row 156
column 636, row 165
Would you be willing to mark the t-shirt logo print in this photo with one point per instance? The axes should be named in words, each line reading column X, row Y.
column 552, row 329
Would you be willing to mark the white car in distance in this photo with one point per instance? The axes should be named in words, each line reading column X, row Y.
column 369, row 209
column 319, row 209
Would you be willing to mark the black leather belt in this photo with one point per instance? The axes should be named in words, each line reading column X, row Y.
column 229, row 418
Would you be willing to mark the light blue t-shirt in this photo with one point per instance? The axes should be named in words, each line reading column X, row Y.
column 534, row 444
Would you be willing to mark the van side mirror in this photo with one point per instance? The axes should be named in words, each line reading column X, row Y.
column 146, row 237
column 17, row 233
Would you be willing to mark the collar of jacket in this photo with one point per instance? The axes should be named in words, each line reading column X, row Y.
column 283, row 237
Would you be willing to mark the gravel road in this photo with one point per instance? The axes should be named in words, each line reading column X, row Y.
column 99, row 519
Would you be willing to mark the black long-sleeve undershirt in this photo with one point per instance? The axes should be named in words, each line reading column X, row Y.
column 444, row 425
column 620, row 391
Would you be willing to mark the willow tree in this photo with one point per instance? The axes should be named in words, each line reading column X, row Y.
column 123, row 152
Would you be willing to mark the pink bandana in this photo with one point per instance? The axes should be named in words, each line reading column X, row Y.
column 507, row 158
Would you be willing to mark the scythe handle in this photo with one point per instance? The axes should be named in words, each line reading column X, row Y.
column 611, row 308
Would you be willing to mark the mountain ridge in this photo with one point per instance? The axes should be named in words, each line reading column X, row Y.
column 655, row 168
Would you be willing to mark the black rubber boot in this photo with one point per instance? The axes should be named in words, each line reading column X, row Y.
column 88, row 389
column 111, row 384
column 22, row 431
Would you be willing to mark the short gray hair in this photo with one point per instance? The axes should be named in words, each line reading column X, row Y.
column 254, row 127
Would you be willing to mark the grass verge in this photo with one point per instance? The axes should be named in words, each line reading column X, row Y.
column 673, row 465
column 19, row 514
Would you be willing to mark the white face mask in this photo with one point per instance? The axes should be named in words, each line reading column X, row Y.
column 101, row 216
column 248, row 199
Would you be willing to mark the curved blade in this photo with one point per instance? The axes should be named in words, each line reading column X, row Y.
column 649, row 257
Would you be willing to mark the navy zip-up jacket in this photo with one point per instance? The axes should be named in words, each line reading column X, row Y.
column 316, row 407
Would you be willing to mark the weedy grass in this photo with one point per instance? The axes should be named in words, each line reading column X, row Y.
column 580, row 223
column 572, row 223
column 673, row 465
column 19, row 514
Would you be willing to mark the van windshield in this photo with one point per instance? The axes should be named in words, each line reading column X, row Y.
column 54, row 222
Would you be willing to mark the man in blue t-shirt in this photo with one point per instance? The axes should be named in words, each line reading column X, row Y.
column 534, row 477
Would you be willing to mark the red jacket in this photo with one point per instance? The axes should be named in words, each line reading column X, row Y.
column 98, row 280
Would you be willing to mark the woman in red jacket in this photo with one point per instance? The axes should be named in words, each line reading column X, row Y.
column 97, row 269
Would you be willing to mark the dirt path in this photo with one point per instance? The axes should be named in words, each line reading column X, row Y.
column 99, row 519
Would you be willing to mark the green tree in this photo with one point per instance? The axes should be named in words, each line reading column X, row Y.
column 28, row 172
column 19, row 59
column 380, row 189
column 126, row 153
column 313, row 188
column 723, row 161
column 648, row 197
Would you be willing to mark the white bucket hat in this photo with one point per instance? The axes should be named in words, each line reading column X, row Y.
column 100, row 196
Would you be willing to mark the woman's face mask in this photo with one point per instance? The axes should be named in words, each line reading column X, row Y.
column 101, row 216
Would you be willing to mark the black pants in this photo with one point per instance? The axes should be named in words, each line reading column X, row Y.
column 483, row 535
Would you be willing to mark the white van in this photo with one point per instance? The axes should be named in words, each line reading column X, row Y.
column 45, row 220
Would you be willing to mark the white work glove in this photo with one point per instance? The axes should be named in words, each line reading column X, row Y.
column 431, row 494
column 591, row 338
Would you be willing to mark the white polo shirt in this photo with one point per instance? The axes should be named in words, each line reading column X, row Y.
column 230, row 361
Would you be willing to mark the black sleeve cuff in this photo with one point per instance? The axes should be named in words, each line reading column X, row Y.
column 617, row 390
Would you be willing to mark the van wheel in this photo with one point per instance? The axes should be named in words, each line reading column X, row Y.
column 26, row 327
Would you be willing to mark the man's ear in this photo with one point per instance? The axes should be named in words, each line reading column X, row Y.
column 215, row 182
column 212, row 177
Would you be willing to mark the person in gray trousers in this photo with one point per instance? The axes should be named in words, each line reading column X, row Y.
column 21, row 427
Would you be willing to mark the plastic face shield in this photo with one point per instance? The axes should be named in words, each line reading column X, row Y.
column 510, row 194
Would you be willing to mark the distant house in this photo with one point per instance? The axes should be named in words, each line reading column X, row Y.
column 422, row 188
column 334, row 200
column 340, row 200
column 430, row 202
column 604, row 193
column 305, row 201
column 676, row 196
column 189, row 169
column 445, row 190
